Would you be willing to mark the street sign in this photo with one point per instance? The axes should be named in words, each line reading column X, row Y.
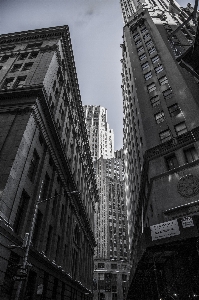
column 19, row 278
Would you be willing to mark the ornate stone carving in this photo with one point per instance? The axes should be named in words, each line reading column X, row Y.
column 188, row 186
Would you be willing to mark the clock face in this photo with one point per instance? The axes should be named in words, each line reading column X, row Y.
column 188, row 186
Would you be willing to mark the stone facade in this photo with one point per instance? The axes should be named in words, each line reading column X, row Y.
column 44, row 155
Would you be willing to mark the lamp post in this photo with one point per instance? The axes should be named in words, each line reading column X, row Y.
column 30, row 235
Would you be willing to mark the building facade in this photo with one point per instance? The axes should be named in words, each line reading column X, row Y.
column 101, row 137
column 47, row 189
column 161, row 150
column 112, row 252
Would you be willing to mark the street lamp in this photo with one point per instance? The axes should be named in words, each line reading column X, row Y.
column 29, row 236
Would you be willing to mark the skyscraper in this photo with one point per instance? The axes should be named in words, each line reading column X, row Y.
column 112, row 251
column 101, row 137
column 47, row 188
column 161, row 149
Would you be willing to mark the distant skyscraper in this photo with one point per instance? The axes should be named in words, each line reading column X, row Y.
column 161, row 133
column 111, row 232
column 101, row 137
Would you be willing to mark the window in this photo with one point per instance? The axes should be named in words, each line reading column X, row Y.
column 21, row 212
column 168, row 94
column 146, row 36
column 114, row 288
column 159, row 69
column 144, row 30
column 138, row 42
column 37, row 227
column 163, row 80
column 8, row 83
column 155, row 59
column 174, row 110
column 45, row 187
column 149, row 43
column 155, row 101
column 151, row 50
column 165, row 135
column 159, row 117
column 148, row 75
column 100, row 265
column 145, row 65
column 124, row 277
column 20, row 82
column 190, row 154
column 33, row 166
column 100, row 276
column 181, row 128
column 140, row 49
column 136, row 36
column 27, row 66
column 49, row 238
column 7, row 48
column 143, row 56
column 16, row 68
column 114, row 296
column 33, row 55
column 172, row 162
column 113, row 266
column 34, row 45
column 151, row 87
column 4, row 58
column 23, row 56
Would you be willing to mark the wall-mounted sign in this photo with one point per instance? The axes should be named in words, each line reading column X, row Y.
column 187, row 222
column 164, row 230
column 188, row 186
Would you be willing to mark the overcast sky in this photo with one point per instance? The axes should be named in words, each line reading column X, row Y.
column 96, row 33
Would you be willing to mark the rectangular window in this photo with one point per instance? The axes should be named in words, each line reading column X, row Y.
column 148, row 75
column 19, row 83
column 190, row 154
column 159, row 117
column 144, row 30
column 155, row 59
column 114, row 296
column 140, row 49
column 21, row 212
column 8, row 83
column 181, row 128
column 55, row 288
column 33, row 166
column 151, row 87
column 136, row 36
column 33, row 55
column 143, row 56
column 174, row 110
column 151, row 50
column 49, row 238
column 149, row 43
column 4, row 58
column 172, row 162
column 113, row 266
column 23, row 56
column 155, row 101
column 34, row 45
column 159, row 69
column 114, row 288
column 27, row 66
column 16, row 68
column 55, row 199
column 138, row 42
column 165, row 135
column 145, row 65
column 168, row 94
column 146, row 36
column 45, row 187
column 101, row 266
column 124, row 277
column 163, row 80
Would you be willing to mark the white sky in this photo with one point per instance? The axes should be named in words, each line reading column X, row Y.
column 96, row 34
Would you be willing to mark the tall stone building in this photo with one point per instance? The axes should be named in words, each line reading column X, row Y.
column 47, row 188
column 112, row 266
column 101, row 137
column 161, row 148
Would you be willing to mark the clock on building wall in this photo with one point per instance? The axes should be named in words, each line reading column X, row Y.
column 188, row 186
